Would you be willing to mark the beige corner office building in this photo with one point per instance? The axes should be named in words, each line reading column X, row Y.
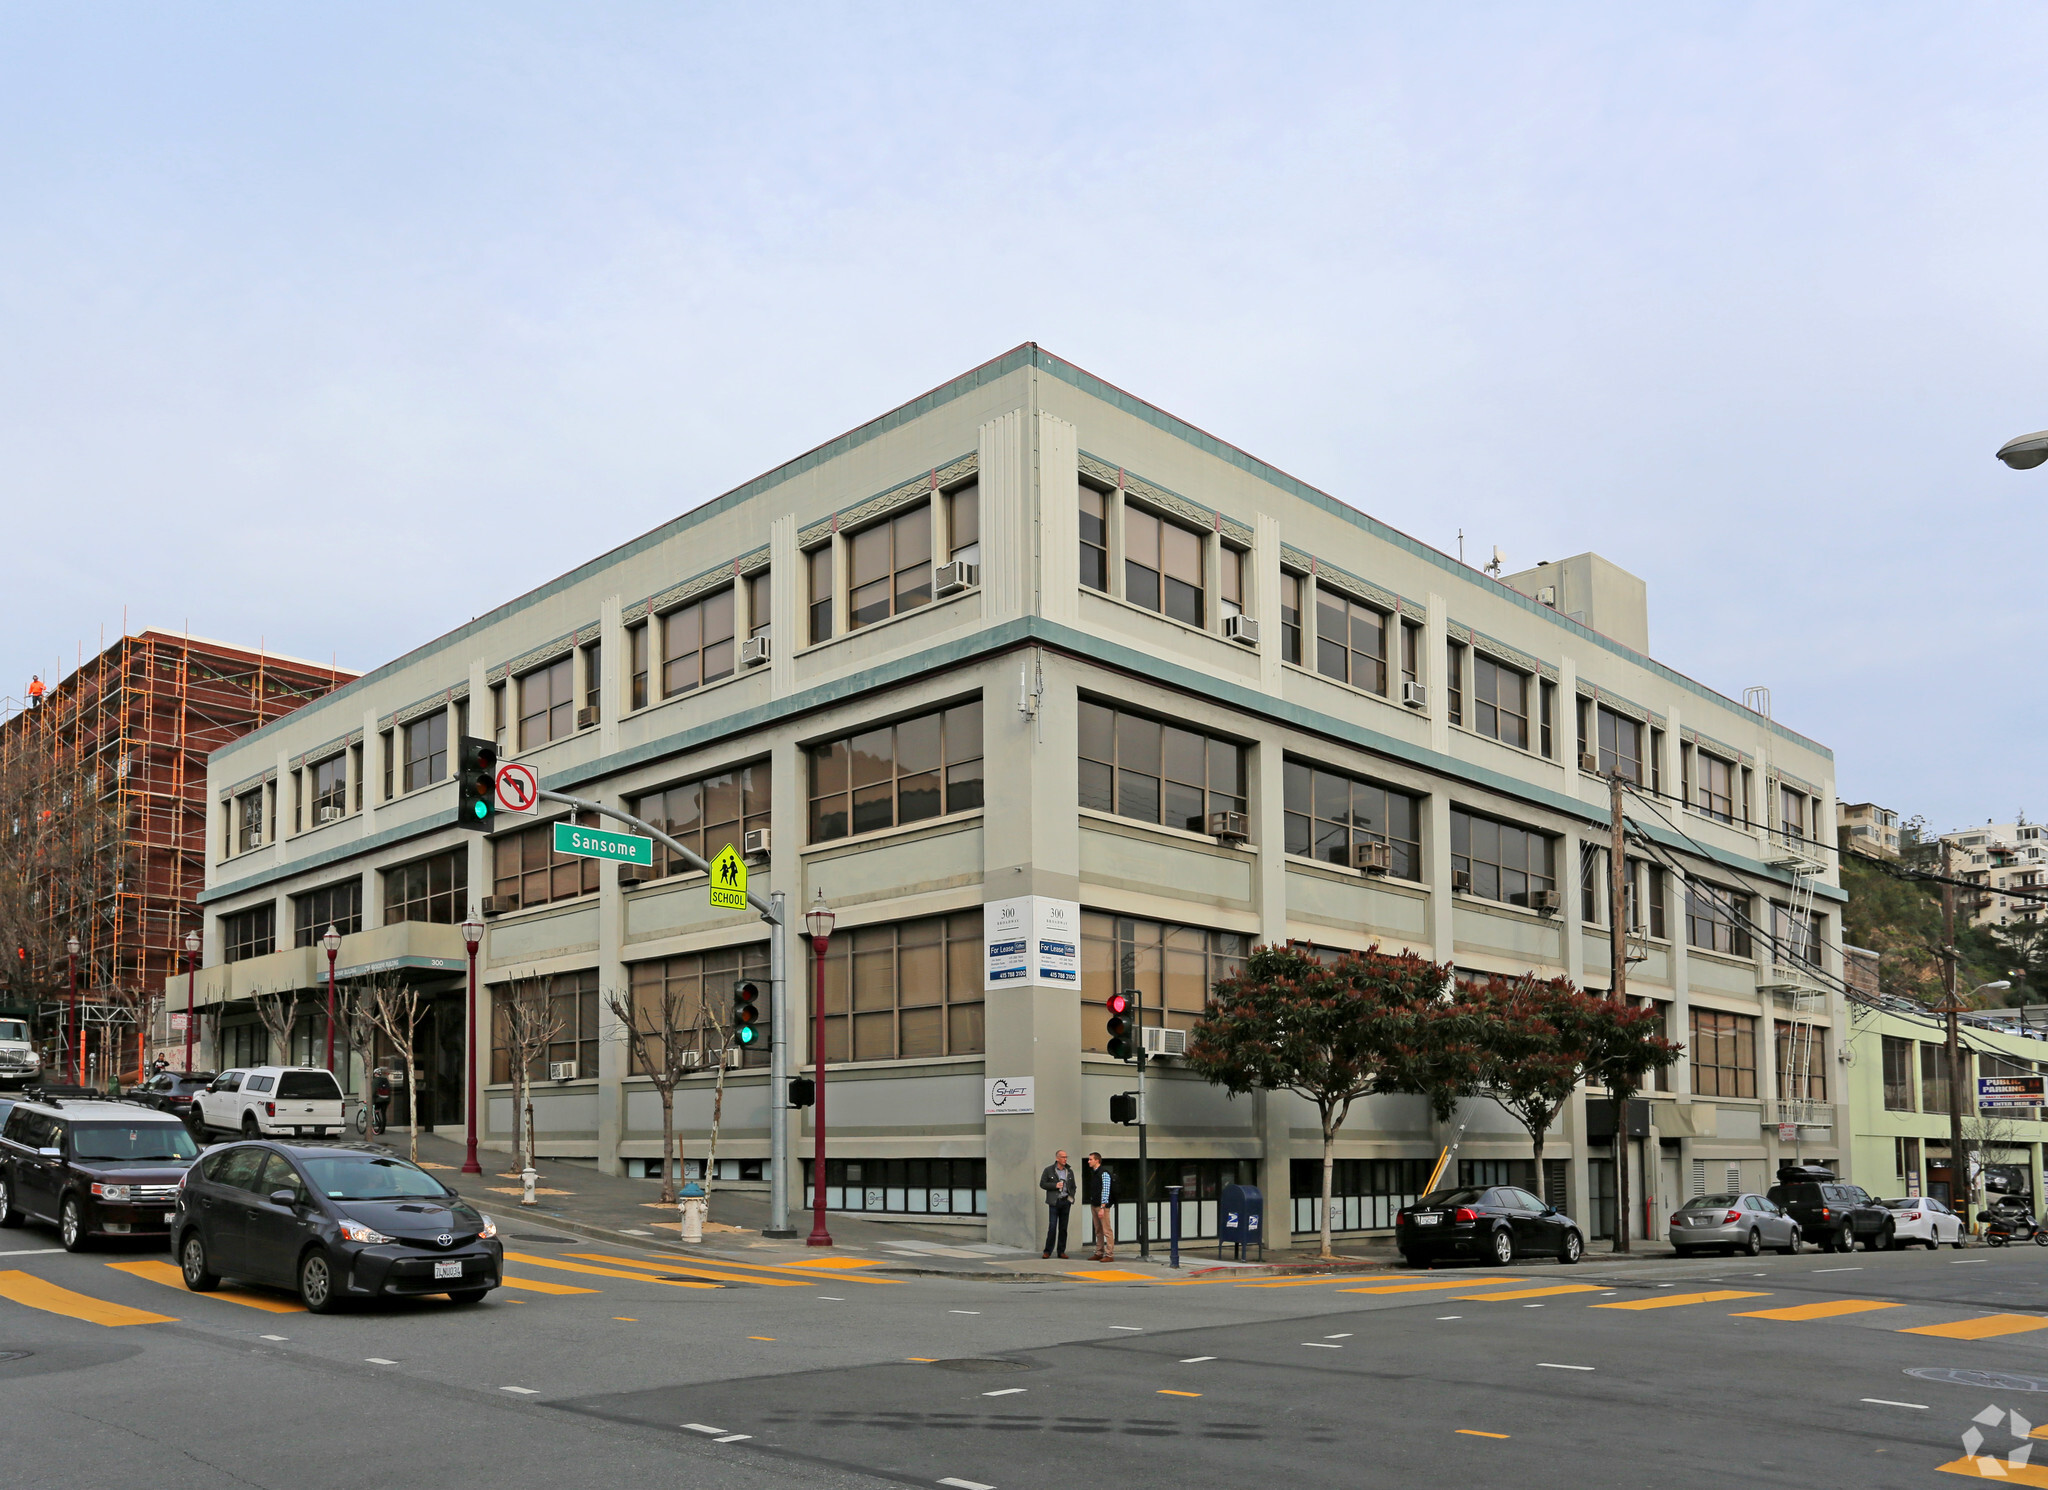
column 1028, row 636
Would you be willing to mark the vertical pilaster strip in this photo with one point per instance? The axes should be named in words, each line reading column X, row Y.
column 1436, row 671
column 611, row 670
column 1059, row 521
column 1271, row 1111
column 1265, row 609
column 787, row 796
column 373, row 775
column 785, row 605
column 612, row 1045
column 1005, row 504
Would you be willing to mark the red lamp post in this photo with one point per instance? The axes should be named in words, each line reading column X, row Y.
column 332, row 943
column 819, row 921
column 191, row 989
column 77, row 1053
column 472, row 936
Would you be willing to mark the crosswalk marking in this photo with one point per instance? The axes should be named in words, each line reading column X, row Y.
column 1534, row 1293
column 1113, row 1275
column 170, row 1277
column 1996, row 1469
column 1986, row 1327
column 1436, row 1287
column 597, row 1272
column 692, row 1270
column 539, row 1285
column 1407, row 1278
column 1677, row 1300
column 32, row 1292
column 1833, row 1309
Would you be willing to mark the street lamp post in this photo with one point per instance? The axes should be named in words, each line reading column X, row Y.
column 2026, row 451
column 191, row 989
column 472, row 937
column 77, row 1054
column 332, row 943
column 819, row 921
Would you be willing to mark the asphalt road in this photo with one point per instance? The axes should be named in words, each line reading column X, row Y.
column 612, row 1366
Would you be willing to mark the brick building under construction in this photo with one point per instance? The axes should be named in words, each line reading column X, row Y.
column 103, row 790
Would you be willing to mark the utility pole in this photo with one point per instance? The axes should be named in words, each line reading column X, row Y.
column 1144, row 1164
column 1617, row 957
column 1958, row 1161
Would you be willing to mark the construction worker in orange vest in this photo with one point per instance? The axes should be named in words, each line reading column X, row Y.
column 35, row 690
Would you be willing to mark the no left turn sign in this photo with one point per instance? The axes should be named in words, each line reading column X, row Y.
column 518, row 788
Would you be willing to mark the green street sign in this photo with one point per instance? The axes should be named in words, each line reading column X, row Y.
column 603, row 843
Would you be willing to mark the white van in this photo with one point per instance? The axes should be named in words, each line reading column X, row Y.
column 276, row 1101
column 19, row 1063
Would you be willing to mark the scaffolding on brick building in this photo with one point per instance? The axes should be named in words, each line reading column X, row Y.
column 133, row 726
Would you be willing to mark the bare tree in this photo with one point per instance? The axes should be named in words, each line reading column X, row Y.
column 353, row 1011
column 395, row 1008
column 659, row 1025
column 280, row 1014
column 531, row 1025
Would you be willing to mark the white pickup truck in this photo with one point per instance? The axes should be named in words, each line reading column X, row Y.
column 19, row 1063
column 278, row 1101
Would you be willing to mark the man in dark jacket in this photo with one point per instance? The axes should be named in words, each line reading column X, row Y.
column 1058, row 1184
column 1101, row 1192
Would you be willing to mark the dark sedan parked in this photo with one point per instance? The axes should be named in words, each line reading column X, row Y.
column 171, row 1091
column 1495, row 1225
column 332, row 1223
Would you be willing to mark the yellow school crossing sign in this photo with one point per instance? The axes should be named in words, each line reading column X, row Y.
column 729, row 880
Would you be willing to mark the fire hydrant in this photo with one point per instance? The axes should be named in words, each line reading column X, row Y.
column 692, row 1208
column 526, row 1177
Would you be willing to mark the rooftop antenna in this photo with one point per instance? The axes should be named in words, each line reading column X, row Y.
column 1461, row 545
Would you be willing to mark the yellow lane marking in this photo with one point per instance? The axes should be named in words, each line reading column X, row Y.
column 170, row 1277
column 1534, row 1293
column 660, row 1262
column 625, row 1319
column 597, row 1272
column 1170, row 1392
column 1985, row 1328
column 1677, row 1300
column 1425, row 1287
column 922, row 1360
column 769, row 1338
column 538, row 1285
column 1996, row 1469
column 691, row 1270
column 1408, row 1278
column 1475, row 1433
column 1113, row 1275
column 1833, row 1309
column 29, row 1290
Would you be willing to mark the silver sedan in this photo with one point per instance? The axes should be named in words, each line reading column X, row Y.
column 1732, row 1223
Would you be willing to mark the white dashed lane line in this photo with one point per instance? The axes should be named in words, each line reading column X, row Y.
column 1189, row 1360
column 1560, row 1366
column 377, row 1360
column 522, row 1391
column 1319, row 1345
column 1006, row 1392
column 703, row 1428
column 274, row 1337
column 967, row 1485
column 1133, row 1328
column 1885, row 1402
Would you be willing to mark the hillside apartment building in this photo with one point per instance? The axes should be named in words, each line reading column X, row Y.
column 1029, row 636
column 1999, row 857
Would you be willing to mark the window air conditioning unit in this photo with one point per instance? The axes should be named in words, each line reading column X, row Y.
column 1547, row 595
column 692, row 1057
column 956, row 576
column 255, row 838
column 1415, row 695
column 585, row 718
column 733, row 1058
column 497, row 905
column 755, row 844
column 1231, row 827
column 1241, row 629
column 633, row 874
column 1545, row 901
column 328, row 815
column 561, row 1070
column 1590, row 764
column 1374, row 857
column 1161, row 1042
column 754, row 651
column 1461, row 879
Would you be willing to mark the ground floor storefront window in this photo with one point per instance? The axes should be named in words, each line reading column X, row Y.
column 1201, row 1182
column 1364, row 1193
column 911, row 1187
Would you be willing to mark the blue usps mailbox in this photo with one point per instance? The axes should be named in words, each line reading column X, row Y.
column 1242, row 1221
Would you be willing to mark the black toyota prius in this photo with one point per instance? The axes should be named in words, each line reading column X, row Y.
column 333, row 1224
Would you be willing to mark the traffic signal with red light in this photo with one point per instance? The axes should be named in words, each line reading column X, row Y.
column 1119, row 1031
column 476, row 784
column 746, row 1013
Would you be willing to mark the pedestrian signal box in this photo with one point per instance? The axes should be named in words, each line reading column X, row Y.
column 1123, row 1107
column 802, row 1091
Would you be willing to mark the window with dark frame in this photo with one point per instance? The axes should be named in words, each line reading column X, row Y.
column 426, row 748
column 818, row 567
column 1934, row 1072
column 690, row 984
column 434, row 889
column 706, row 814
column 1351, row 641
column 1898, row 1074
column 1094, row 537
column 896, row 774
column 1411, row 652
column 963, row 523
column 1229, row 581
column 760, row 604
column 387, row 748
column 1621, row 746
column 249, row 808
column 1502, row 861
column 636, row 649
column 338, row 905
column 1170, row 971
column 525, row 864
column 330, row 785
column 1714, row 779
column 572, row 1009
column 889, row 567
column 1290, row 616
column 547, row 704
column 249, row 933
column 905, row 990
column 1800, row 1048
column 1142, row 768
column 697, row 646
column 1792, row 811
column 1329, row 813
column 1454, row 681
column 1723, row 1054
column 1711, row 923
column 1163, row 566
column 1500, row 702
column 593, row 677
column 1547, row 698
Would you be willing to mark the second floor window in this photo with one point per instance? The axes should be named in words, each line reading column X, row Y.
column 1898, row 1074
column 1351, row 642
column 706, row 814
column 677, row 993
column 1934, row 1071
column 897, row 773
column 547, row 704
column 527, row 866
column 1291, row 587
column 963, row 523
column 1162, row 566
column 330, row 787
column 1802, row 1071
column 1501, row 861
column 1500, row 702
column 435, row 890
column 889, row 567
column 1714, row 787
column 912, row 988
column 250, row 933
column 426, row 749
column 1328, row 814
column 1141, row 768
column 1723, row 1054
column 1094, row 537
column 1711, row 922
column 697, row 644
column 818, row 565
column 1621, row 746
column 339, row 906
column 249, row 811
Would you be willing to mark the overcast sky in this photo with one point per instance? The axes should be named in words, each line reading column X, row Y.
column 302, row 305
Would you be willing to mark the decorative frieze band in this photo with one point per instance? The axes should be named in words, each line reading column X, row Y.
column 696, row 585
column 1626, row 707
column 261, row 778
column 560, row 647
column 323, row 752
column 1500, row 651
column 1165, row 499
column 882, row 504
column 1709, row 743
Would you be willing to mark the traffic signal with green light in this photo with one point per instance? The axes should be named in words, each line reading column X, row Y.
column 746, row 1013
column 1119, row 1031
column 476, row 784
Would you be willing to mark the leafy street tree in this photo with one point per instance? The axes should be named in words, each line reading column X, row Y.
column 1533, row 1051
column 1367, row 1023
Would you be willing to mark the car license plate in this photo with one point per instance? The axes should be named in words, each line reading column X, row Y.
column 447, row 1270
column 1427, row 1220
column 169, row 1217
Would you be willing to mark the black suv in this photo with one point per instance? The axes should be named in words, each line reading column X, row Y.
column 95, row 1168
column 1832, row 1215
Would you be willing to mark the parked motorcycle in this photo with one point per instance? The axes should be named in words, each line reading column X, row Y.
column 2008, row 1224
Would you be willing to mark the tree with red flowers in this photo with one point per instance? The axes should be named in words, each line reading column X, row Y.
column 1535, row 1047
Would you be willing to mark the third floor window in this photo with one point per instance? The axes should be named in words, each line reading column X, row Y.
column 1142, row 768
column 1094, row 537
column 1621, row 746
column 547, row 704
column 889, row 567
column 707, row 814
column 1714, row 787
column 330, row 786
column 426, row 749
column 897, row 773
column 697, row 644
column 1351, row 642
column 1162, row 566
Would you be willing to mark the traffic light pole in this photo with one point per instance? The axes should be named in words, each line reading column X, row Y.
column 1144, row 1163
column 771, row 911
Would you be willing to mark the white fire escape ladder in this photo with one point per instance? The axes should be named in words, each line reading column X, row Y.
column 1797, row 983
